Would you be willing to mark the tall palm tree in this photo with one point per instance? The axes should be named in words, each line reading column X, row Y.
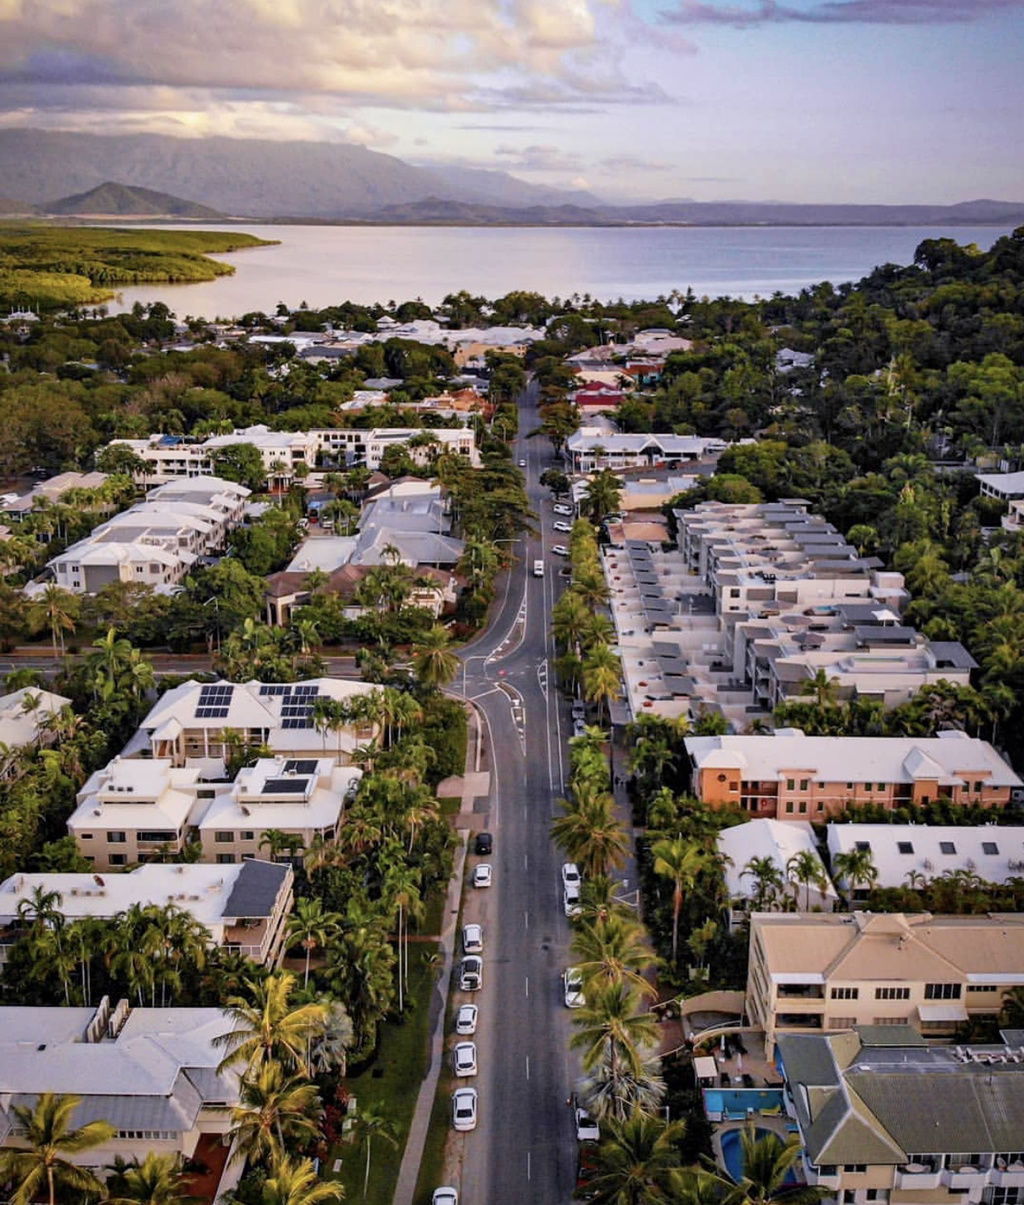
column 157, row 1180
column 683, row 863
column 268, row 1026
column 373, row 1123
column 295, row 1182
column 625, row 1092
column 602, row 677
column 590, row 834
column 805, row 868
column 435, row 663
column 611, row 951
column 768, row 883
column 274, row 1108
column 57, row 609
column 637, row 1162
column 856, row 866
column 45, row 1166
column 612, row 1032
column 311, row 926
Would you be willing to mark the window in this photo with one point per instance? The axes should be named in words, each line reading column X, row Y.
column 223, row 838
column 804, row 783
column 892, row 993
column 842, row 1022
column 849, row 1195
column 148, row 1135
column 849, row 786
column 881, row 786
column 872, row 1194
column 116, row 838
column 947, row 847
column 942, row 991
column 734, row 593
column 790, row 784
column 1000, row 1195
column 979, row 786
column 982, row 987
column 864, row 846
column 803, row 806
column 248, row 835
column 857, row 1168
column 157, row 835
column 889, row 1021
column 989, row 847
column 845, row 993
column 905, row 847
column 789, row 807
column 118, row 859
column 85, row 836
column 225, row 859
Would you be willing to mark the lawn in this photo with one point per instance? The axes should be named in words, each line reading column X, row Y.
column 392, row 1083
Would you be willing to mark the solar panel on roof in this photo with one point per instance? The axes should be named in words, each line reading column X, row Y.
column 273, row 689
column 297, row 722
column 306, row 689
column 212, row 713
column 285, row 786
column 300, row 766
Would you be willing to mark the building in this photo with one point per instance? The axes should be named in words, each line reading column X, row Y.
column 780, row 842
column 792, row 776
column 152, row 1073
column 48, row 492
column 26, row 717
column 887, row 1118
column 592, row 448
column 244, row 907
column 352, row 446
column 171, row 456
column 905, row 854
column 156, row 542
column 832, row 971
column 194, row 724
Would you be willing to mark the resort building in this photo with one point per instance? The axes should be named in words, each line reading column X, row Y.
column 781, row 843
column 908, row 855
column 792, row 776
column 244, row 908
column 833, row 971
column 152, row 1073
column 351, row 446
column 592, row 448
column 884, row 1117
column 26, row 719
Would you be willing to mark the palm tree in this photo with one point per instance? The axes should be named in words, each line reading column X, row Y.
column 46, row 1129
column 805, row 867
column 276, row 842
column 373, row 1123
column 683, row 863
column 295, row 1182
column 768, row 883
column 274, row 1108
column 401, row 888
column 157, row 1180
column 602, row 677
column 268, row 1026
column 637, row 1162
column 436, row 665
column 627, row 1092
column 856, row 866
column 766, row 1161
column 58, row 609
column 611, row 951
column 611, row 1032
column 311, row 926
column 602, row 495
column 590, row 834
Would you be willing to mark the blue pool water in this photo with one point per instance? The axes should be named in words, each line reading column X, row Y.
column 732, row 1154
column 735, row 1102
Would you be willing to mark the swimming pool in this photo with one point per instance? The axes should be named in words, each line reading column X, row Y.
column 735, row 1102
column 732, row 1154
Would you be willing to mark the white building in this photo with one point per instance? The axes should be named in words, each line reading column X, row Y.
column 354, row 446
column 780, row 841
column 592, row 448
column 25, row 717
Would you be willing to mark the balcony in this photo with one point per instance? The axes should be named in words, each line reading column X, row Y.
column 1008, row 1177
column 964, row 1178
column 800, row 991
column 919, row 1176
column 790, row 1020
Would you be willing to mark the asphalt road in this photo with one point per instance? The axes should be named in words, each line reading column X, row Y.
column 523, row 1148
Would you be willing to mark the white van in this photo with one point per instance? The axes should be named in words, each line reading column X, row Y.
column 538, row 568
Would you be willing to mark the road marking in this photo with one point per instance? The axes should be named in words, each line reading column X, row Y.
column 527, row 986
column 526, row 861
column 528, row 1172
column 527, row 1066
column 526, row 920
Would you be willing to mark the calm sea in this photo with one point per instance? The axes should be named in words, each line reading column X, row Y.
column 325, row 265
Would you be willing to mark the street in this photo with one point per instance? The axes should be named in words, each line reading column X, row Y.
column 524, row 1146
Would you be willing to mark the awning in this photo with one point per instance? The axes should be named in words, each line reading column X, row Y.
column 942, row 1012
column 705, row 1067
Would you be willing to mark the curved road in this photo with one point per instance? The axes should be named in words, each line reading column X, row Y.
column 523, row 1148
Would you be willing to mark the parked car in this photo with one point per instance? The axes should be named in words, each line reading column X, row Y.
column 560, row 550
column 522, row 462
column 562, row 526
column 466, row 1019
column 579, row 710
column 471, row 973
column 472, row 939
column 570, row 874
column 483, row 844
column 587, row 1129
column 464, row 1109
column 571, row 901
column 482, row 875
column 561, row 509
column 572, row 987
column 464, row 1058
column 579, row 727
column 445, row 1195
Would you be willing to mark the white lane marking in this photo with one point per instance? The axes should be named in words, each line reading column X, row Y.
column 527, row 1066
column 528, row 1172
column 526, row 861
column 527, row 986
column 526, row 920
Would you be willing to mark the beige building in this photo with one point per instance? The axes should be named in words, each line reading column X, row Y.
column 886, row 1118
column 832, row 971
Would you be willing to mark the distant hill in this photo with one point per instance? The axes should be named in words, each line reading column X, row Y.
column 122, row 200
column 17, row 208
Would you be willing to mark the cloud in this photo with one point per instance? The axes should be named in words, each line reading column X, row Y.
column 538, row 158
column 838, row 12
column 616, row 164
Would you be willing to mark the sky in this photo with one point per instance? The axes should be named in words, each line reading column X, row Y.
column 886, row 101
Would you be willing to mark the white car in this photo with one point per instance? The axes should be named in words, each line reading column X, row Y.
column 445, row 1196
column 562, row 526
column 464, row 1058
column 560, row 550
column 572, row 987
column 561, row 509
column 522, row 463
column 571, row 901
column 471, row 974
column 472, row 939
column 464, row 1109
column 579, row 710
column 482, row 875
column 465, row 1019
column 570, row 874
column 587, row 1129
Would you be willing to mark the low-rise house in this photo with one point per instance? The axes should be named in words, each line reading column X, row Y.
column 831, row 971
column 152, row 1073
column 792, row 776
column 26, row 719
column 244, row 907
column 905, row 855
column 883, row 1117
column 302, row 798
column 592, row 448
column 781, row 844
column 48, row 492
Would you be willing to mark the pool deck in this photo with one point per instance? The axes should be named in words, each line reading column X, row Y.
column 778, row 1124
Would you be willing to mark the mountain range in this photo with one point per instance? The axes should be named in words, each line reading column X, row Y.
column 319, row 181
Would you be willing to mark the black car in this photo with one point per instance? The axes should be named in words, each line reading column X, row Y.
column 484, row 843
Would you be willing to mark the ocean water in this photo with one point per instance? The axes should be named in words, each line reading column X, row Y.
column 325, row 265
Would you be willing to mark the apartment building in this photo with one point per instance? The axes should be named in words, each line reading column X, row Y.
column 779, row 842
column 885, row 1118
column 833, row 971
column 152, row 1073
column 788, row 775
column 168, row 457
column 243, row 907
column 26, row 717
column 304, row 798
column 912, row 854
column 194, row 724
column 155, row 542
column 352, row 446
